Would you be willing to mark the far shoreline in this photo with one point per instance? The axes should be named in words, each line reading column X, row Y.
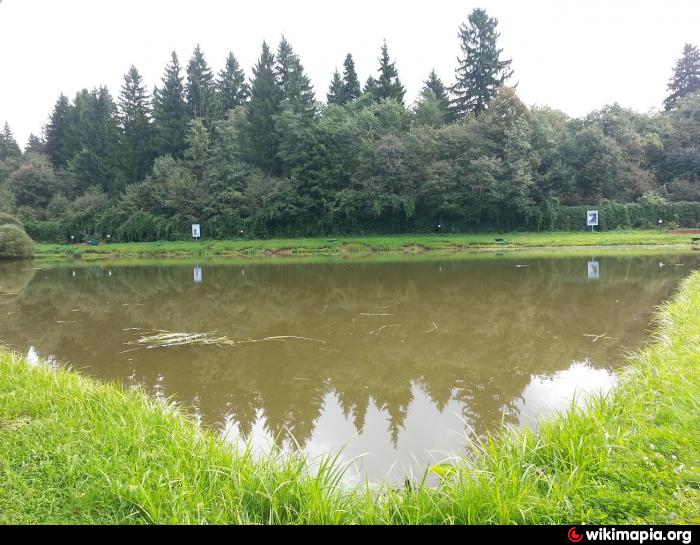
column 365, row 246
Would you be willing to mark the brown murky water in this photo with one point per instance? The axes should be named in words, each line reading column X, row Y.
column 415, row 354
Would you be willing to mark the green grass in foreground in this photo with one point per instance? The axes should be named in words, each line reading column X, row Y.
column 346, row 246
column 73, row 450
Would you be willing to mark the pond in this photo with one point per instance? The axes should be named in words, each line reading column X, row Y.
column 400, row 361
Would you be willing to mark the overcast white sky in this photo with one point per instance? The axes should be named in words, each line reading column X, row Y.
column 574, row 55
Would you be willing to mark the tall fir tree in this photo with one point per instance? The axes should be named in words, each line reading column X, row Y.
column 231, row 86
column 170, row 111
column 686, row 76
column 264, row 105
column 57, row 133
column 199, row 90
column 351, row 83
column 300, row 92
column 371, row 86
column 388, row 84
column 137, row 145
column 93, row 138
column 8, row 144
column 336, row 90
column 35, row 144
column 480, row 72
column 284, row 64
column 297, row 91
column 434, row 89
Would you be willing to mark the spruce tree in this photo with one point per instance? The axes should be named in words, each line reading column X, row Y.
column 137, row 141
column 232, row 88
column 336, row 90
column 170, row 111
column 371, row 87
column 434, row 89
column 35, row 144
column 93, row 137
column 388, row 84
column 57, row 133
column 8, row 144
column 300, row 92
column 264, row 105
column 284, row 64
column 295, row 85
column 481, row 72
column 686, row 76
column 199, row 90
column 351, row 87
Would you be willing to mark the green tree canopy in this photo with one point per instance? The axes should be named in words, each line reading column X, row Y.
column 336, row 90
column 137, row 135
column 231, row 85
column 199, row 89
column 8, row 144
column 57, row 133
column 686, row 76
column 388, row 85
column 480, row 72
column 170, row 111
column 265, row 103
column 351, row 83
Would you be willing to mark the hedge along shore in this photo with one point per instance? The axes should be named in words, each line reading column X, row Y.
column 363, row 246
column 73, row 450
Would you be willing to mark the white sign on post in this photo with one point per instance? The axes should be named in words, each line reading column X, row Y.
column 195, row 231
column 592, row 218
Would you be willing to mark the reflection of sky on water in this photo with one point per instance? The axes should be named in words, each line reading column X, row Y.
column 372, row 453
column 545, row 395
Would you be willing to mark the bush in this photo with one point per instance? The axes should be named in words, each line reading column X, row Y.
column 6, row 219
column 15, row 243
column 47, row 231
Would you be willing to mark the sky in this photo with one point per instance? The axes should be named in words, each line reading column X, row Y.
column 572, row 55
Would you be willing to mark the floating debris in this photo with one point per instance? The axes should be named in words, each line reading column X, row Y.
column 603, row 336
column 434, row 328
column 167, row 339
column 380, row 329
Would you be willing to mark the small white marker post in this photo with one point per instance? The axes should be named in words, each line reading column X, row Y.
column 196, row 232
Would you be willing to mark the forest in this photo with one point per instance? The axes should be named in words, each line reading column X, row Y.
column 263, row 156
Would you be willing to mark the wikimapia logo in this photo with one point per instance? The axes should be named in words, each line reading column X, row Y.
column 633, row 536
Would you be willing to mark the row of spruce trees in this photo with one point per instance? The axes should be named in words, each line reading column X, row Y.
column 262, row 156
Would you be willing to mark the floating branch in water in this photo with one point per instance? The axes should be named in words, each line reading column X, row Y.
column 603, row 336
column 434, row 328
column 167, row 339
column 379, row 330
column 374, row 314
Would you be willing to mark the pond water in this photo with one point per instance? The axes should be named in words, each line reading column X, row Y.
column 399, row 361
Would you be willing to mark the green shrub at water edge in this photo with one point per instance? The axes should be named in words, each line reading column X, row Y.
column 15, row 243
column 6, row 219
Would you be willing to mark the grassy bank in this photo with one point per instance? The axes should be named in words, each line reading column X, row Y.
column 74, row 450
column 348, row 246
